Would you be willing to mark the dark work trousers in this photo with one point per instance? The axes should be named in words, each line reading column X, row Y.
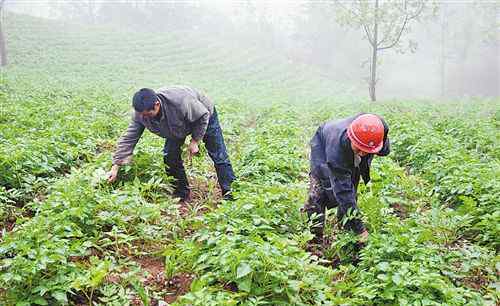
column 214, row 143
column 320, row 198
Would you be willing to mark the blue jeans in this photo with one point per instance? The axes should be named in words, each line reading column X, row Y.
column 214, row 142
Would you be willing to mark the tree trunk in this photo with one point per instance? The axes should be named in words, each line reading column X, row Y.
column 373, row 67
column 3, row 50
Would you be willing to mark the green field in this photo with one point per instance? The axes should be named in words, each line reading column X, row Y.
column 68, row 237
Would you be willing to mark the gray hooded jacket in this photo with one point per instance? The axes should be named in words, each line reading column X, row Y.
column 184, row 111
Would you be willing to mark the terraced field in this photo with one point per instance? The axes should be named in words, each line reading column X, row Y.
column 68, row 237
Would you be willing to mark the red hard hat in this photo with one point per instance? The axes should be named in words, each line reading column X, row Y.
column 367, row 133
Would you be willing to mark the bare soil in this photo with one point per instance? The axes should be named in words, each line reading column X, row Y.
column 178, row 285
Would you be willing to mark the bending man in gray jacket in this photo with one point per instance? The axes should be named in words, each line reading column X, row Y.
column 174, row 113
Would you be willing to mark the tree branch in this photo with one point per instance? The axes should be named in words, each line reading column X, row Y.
column 368, row 35
column 408, row 17
column 398, row 37
column 347, row 9
column 384, row 39
column 418, row 12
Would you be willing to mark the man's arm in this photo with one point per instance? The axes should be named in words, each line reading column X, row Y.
column 343, row 190
column 197, row 115
column 126, row 143
column 125, row 147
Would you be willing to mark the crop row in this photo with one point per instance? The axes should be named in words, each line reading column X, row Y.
column 252, row 251
column 86, row 231
column 416, row 254
column 45, row 133
column 461, row 179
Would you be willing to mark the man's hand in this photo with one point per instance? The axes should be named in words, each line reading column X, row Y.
column 193, row 148
column 364, row 236
column 113, row 173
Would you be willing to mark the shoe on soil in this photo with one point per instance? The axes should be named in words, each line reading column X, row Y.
column 227, row 195
column 187, row 198
column 184, row 204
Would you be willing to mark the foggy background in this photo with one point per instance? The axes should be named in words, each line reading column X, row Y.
column 450, row 50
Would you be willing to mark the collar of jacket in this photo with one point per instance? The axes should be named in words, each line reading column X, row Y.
column 163, row 107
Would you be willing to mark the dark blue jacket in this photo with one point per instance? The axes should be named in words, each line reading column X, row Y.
column 332, row 160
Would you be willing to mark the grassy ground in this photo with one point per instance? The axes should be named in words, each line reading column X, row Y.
column 70, row 238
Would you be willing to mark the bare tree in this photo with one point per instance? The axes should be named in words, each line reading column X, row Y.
column 384, row 23
column 3, row 49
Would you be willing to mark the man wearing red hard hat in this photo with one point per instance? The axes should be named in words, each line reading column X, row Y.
column 341, row 153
